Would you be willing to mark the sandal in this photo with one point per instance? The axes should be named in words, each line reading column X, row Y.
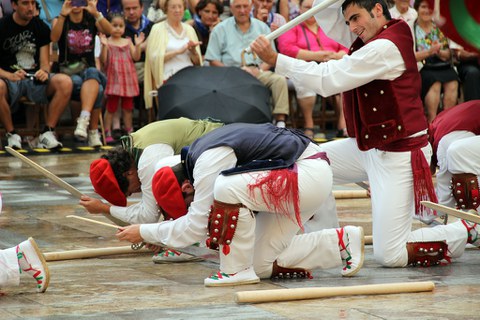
column 309, row 132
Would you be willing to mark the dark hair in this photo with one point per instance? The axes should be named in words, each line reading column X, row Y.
column 112, row 15
column 179, row 173
column 38, row 7
column 368, row 5
column 417, row 3
column 139, row 2
column 121, row 161
column 203, row 3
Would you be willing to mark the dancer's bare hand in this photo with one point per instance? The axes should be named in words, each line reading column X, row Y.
column 130, row 233
column 93, row 205
column 263, row 49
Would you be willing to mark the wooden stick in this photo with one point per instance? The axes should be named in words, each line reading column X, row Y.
column 350, row 194
column 325, row 292
column 368, row 240
column 59, row 182
column 94, row 221
column 90, row 253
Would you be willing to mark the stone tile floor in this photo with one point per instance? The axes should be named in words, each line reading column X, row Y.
column 130, row 286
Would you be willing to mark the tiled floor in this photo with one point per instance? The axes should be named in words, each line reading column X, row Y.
column 132, row 287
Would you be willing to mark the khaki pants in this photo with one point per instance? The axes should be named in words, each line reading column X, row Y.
column 277, row 85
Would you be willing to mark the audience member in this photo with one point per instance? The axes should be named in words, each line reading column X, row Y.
column 107, row 7
column 75, row 30
column 118, row 55
column 225, row 48
column 308, row 42
column 25, row 71
column 262, row 10
column 173, row 45
column 437, row 72
column 207, row 17
column 402, row 10
column 136, row 22
column 289, row 9
column 468, row 68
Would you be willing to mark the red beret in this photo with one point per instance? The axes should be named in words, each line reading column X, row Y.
column 105, row 184
column 168, row 194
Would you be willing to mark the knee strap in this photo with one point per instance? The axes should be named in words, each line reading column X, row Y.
column 465, row 191
column 222, row 223
column 428, row 253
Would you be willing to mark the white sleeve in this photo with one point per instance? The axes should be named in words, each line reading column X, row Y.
column 332, row 22
column 146, row 210
column 377, row 60
column 192, row 227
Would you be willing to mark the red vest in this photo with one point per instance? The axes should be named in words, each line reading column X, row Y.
column 465, row 116
column 383, row 112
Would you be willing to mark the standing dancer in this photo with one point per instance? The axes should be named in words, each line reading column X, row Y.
column 251, row 187
column 388, row 143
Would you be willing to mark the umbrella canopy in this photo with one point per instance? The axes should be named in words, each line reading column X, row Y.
column 228, row 94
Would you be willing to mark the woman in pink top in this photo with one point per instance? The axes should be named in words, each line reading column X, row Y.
column 308, row 42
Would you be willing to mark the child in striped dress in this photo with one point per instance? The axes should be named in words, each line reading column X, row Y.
column 118, row 55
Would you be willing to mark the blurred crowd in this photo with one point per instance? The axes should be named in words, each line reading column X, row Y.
column 106, row 60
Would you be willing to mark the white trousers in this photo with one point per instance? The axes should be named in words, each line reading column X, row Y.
column 260, row 240
column 9, row 269
column 392, row 196
column 458, row 152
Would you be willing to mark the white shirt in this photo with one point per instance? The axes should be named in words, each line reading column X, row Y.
column 146, row 210
column 192, row 227
column 409, row 17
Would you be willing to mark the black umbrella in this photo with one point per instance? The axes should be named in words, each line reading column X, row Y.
column 228, row 94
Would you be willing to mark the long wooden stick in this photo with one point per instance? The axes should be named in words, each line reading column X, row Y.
column 94, row 221
column 325, row 292
column 350, row 194
column 90, row 253
column 58, row 181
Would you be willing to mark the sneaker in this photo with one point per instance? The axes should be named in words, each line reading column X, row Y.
column 94, row 138
column 281, row 124
column 47, row 140
column 351, row 244
column 473, row 230
column 14, row 141
column 170, row 255
column 109, row 140
column 117, row 134
column 32, row 261
column 81, row 130
column 220, row 279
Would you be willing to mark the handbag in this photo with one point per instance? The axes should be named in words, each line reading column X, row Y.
column 71, row 68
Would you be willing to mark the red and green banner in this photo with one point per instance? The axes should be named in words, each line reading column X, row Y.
column 462, row 21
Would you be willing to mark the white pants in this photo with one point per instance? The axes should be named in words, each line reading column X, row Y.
column 261, row 240
column 458, row 152
column 9, row 269
column 392, row 196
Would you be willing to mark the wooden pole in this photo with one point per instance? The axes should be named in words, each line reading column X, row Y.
column 94, row 221
column 90, row 253
column 350, row 194
column 325, row 292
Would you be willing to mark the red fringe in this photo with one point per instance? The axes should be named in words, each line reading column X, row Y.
column 279, row 189
column 422, row 184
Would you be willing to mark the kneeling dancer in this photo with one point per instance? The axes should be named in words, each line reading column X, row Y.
column 247, row 189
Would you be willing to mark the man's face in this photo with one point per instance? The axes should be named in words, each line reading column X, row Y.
column 132, row 10
column 24, row 9
column 402, row 5
column 363, row 23
column 241, row 10
column 134, row 184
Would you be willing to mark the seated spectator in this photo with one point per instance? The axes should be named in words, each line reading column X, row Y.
column 308, row 42
column 289, row 9
column 25, row 72
column 75, row 30
column 402, row 10
column 437, row 72
column 468, row 68
column 207, row 17
column 172, row 46
column 262, row 10
column 225, row 48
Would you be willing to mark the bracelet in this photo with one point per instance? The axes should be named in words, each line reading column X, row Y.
column 99, row 17
column 64, row 16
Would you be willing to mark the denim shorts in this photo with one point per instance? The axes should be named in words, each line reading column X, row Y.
column 35, row 91
column 87, row 74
